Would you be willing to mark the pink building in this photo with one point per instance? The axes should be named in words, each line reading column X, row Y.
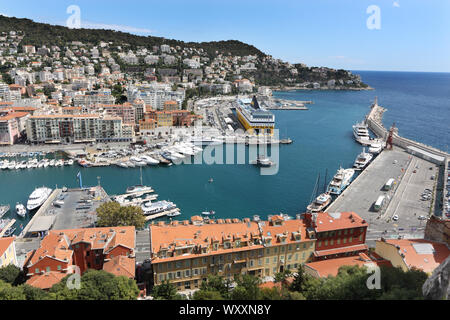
column 11, row 126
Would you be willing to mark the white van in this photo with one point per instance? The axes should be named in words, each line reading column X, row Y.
column 379, row 203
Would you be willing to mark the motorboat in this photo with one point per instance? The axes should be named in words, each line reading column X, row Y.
column 138, row 188
column 21, row 210
column 9, row 232
column 52, row 163
column 361, row 133
column 150, row 208
column 3, row 210
column 149, row 160
column 174, row 214
column 121, row 164
column 208, row 213
column 362, row 160
column 340, row 181
column 262, row 161
column 38, row 197
column 320, row 203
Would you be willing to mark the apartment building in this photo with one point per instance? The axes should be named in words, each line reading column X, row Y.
column 61, row 251
column 125, row 111
column 186, row 252
column 12, row 126
column 338, row 234
column 92, row 99
column 7, row 252
column 66, row 128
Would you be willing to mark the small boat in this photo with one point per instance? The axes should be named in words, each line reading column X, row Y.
column 9, row 232
column 4, row 210
column 211, row 180
column 21, row 210
column 262, row 161
column 121, row 164
column 208, row 213
column 174, row 214
column 320, row 203
column 52, row 163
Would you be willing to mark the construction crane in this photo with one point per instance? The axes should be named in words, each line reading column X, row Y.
column 389, row 141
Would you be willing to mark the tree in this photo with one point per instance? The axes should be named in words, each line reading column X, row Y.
column 216, row 283
column 165, row 291
column 112, row 214
column 8, row 292
column 247, row 288
column 32, row 293
column 281, row 277
column 12, row 275
column 207, row 295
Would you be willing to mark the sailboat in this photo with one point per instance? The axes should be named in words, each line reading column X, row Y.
column 321, row 201
column 139, row 187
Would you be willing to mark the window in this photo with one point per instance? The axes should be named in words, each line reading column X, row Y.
column 303, row 256
column 345, row 232
column 345, row 240
column 275, row 250
column 187, row 273
column 319, row 244
column 274, row 259
column 296, row 257
column 282, row 249
column 59, row 267
column 266, row 271
column 339, row 241
column 87, row 253
column 326, row 242
column 195, row 272
column 48, row 269
column 360, row 237
column 178, row 274
column 268, row 251
column 88, row 264
column 267, row 261
column 332, row 242
column 304, row 246
column 350, row 239
column 351, row 231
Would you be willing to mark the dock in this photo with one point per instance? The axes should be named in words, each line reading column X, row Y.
column 161, row 214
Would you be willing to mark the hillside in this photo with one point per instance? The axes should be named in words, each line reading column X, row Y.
column 40, row 34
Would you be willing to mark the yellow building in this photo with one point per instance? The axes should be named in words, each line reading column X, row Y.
column 185, row 253
column 253, row 118
column 7, row 252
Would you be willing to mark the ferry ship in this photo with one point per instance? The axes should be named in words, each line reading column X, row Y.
column 254, row 118
column 340, row 181
column 362, row 160
column 38, row 197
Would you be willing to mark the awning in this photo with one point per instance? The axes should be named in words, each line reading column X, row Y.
column 356, row 248
column 41, row 224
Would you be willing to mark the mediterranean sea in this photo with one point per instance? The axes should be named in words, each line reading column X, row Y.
column 419, row 104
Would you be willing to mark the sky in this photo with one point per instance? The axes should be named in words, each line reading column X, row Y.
column 395, row 35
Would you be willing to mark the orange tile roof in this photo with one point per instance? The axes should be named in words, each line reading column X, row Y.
column 342, row 220
column 204, row 235
column 426, row 262
column 46, row 280
column 330, row 267
column 96, row 236
column 54, row 246
column 5, row 243
column 13, row 115
column 121, row 266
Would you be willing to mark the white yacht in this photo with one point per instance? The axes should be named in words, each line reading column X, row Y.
column 138, row 188
column 340, row 181
column 12, row 165
column 4, row 165
column 376, row 148
column 4, row 210
column 121, row 164
column 149, row 160
column 150, row 208
column 362, row 160
column 138, row 161
column 21, row 210
column 361, row 133
column 320, row 203
column 38, row 197
column 52, row 163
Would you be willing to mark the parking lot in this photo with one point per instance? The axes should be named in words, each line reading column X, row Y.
column 412, row 176
column 78, row 209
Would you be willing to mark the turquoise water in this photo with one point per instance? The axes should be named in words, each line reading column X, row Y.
column 322, row 140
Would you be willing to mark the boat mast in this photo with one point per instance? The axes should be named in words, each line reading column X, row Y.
column 325, row 181
column 141, row 175
column 315, row 189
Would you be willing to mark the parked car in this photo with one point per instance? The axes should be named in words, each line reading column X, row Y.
column 395, row 217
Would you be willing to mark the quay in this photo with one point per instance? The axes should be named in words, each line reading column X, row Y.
column 78, row 211
column 414, row 166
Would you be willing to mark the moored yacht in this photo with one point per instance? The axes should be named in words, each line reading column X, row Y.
column 138, row 188
column 362, row 160
column 38, row 197
column 4, row 210
column 150, row 208
column 320, row 203
column 340, row 181
column 361, row 133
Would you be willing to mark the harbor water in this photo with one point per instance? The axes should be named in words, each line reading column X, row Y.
column 323, row 140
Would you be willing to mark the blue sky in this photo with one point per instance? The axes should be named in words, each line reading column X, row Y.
column 414, row 34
